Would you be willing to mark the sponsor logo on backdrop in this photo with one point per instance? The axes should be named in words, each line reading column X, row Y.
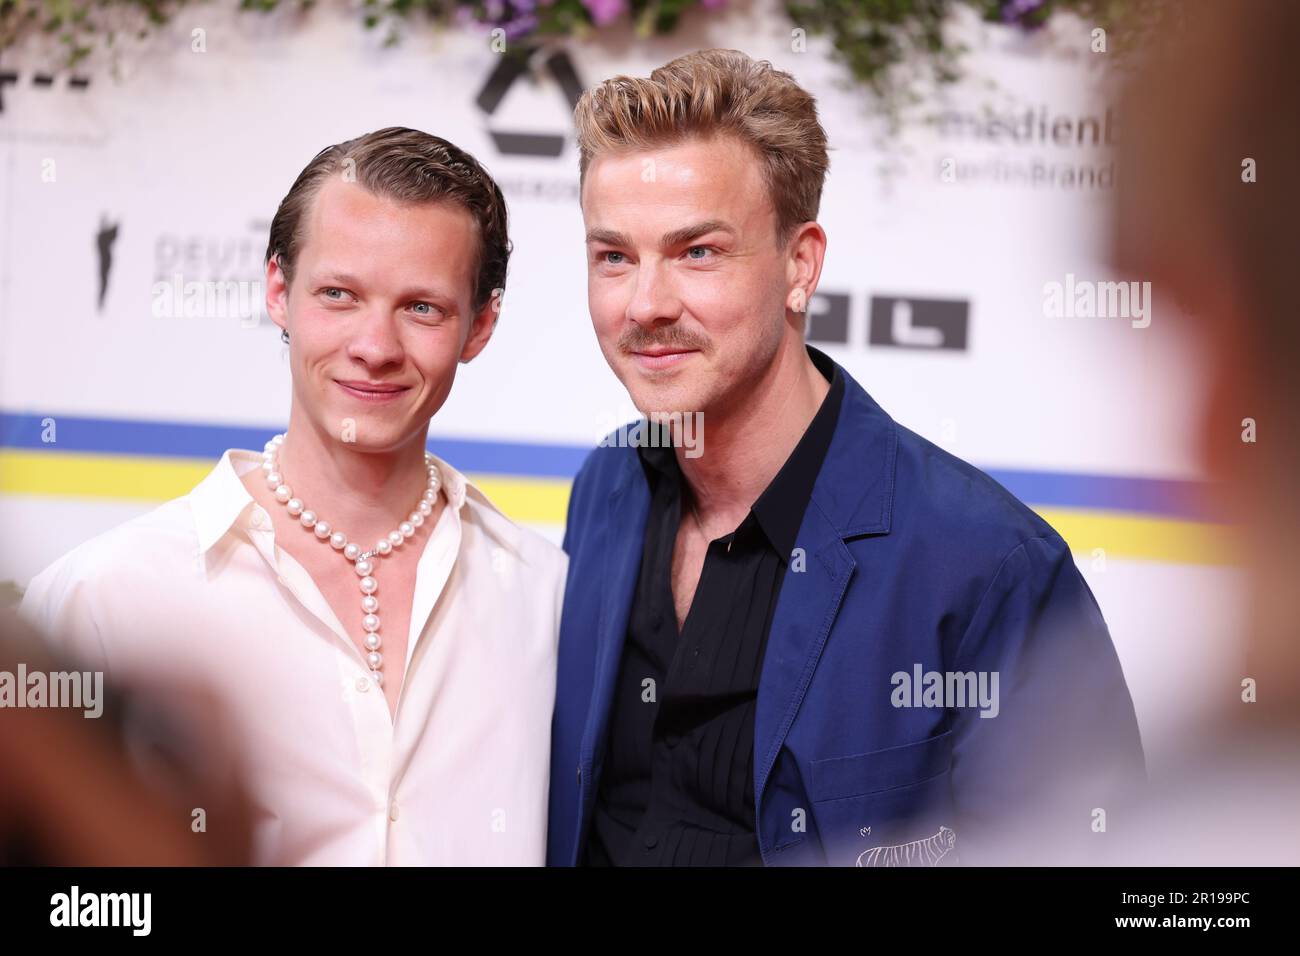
column 212, row 275
column 40, row 81
column 104, row 239
column 554, row 72
column 1073, row 149
column 897, row 321
column 505, row 73
column 919, row 323
column 196, row 275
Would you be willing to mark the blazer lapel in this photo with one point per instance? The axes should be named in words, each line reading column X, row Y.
column 853, row 498
column 629, row 506
column 805, row 611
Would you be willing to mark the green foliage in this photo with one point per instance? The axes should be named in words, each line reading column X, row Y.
column 888, row 46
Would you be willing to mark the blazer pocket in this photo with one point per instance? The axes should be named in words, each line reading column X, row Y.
column 856, row 775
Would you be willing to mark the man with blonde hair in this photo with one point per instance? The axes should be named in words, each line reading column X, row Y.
column 817, row 638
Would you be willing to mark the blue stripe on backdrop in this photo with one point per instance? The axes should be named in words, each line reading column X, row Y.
column 115, row 436
column 1165, row 497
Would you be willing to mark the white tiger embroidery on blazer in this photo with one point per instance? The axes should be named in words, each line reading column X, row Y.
column 927, row 852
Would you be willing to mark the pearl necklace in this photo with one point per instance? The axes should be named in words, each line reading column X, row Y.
column 364, row 567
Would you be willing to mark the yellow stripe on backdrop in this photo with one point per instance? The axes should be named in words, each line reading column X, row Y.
column 545, row 501
column 1146, row 537
column 139, row 478
column 79, row 475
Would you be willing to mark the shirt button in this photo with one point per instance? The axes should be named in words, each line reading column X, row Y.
column 651, row 841
column 363, row 684
column 392, row 813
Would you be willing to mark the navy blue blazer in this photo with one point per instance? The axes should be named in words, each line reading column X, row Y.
column 911, row 566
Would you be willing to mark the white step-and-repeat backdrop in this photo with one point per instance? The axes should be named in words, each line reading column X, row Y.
column 126, row 180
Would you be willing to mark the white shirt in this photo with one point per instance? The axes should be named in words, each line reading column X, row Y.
column 459, row 777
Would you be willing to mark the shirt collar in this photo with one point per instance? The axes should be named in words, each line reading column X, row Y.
column 779, row 509
column 461, row 491
column 221, row 499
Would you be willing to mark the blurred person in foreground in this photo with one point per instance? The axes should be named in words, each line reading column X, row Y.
column 1207, row 211
column 385, row 637
column 138, row 776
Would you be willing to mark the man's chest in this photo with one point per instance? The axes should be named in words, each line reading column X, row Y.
column 689, row 552
column 391, row 601
column 722, row 593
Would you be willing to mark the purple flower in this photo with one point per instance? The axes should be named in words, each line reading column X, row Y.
column 519, row 26
column 713, row 4
column 603, row 11
column 514, row 16
column 1021, row 12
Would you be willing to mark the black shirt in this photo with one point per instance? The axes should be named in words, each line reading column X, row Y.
column 677, row 788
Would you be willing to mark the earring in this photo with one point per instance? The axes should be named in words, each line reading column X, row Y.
column 284, row 336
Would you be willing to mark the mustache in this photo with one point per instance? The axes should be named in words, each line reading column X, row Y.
column 638, row 339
